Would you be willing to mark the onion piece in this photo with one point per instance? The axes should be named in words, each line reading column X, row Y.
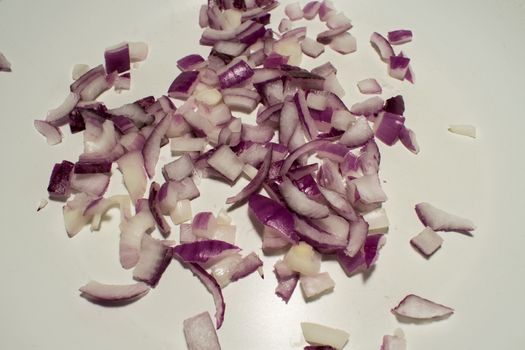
column 303, row 259
column 300, row 203
column 339, row 204
column 427, row 242
column 226, row 163
column 60, row 180
column 322, row 335
column 326, row 10
column 154, row 207
column 246, row 266
column 182, row 87
column 440, row 220
column 394, row 342
column 49, row 131
column 131, row 233
column 43, row 203
column 117, row 58
column 190, row 62
column 286, row 287
column 178, row 169
column 408, row 139
column 255, row 184
column 213, row 287
column 398, row 67
column 382, row 46
column 377, row 221
column 202, row 251
column 328, row 36
column 337, row 20
column 373, row 244
column 293, row 11
column 132, row 167
column 358, row 134
column 224, row 268
column 5, row 65
column 304, row 149
column 200, row 333
column 322, row 241
column 325, row 70
column 344, row 43
column 311, row 9
column 155, row 256
column 274, row 215
column 285, row 25
column 151, row 150
column 358, row 231
column 398, row 37
column 113, row 294
column 58, row 116
column 368, row 189
column 367, row 107
column 311, row 48
column 463, row 129
column 416, row 307
column 235, row 75
column 369, row 86
column 313, row 286
column 138, row 51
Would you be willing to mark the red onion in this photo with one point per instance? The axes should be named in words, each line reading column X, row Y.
column 416, row 307
column 400, row 36
column 200, row 333
column 113, row 294
column 5, row 65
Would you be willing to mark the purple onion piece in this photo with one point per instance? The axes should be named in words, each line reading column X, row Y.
column 60, row 181
column 117, row 58
column 202, row 251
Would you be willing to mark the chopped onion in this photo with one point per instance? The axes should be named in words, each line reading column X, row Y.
column 463, row 129
column 5, row 65
column 112, row 293
column 369, row 86
column 313, row 286
column 427, row 242
column 303, row 259
column 49, row 131
column 382, row 46
column 200, row 333
column 394, row 342
column 344, row 43
column 294, row 11
column 322, row 335
column 401, row 36
column 226, row 163
column 440, row 220
column 416, row 307
column 311, row 47
column 311, row 9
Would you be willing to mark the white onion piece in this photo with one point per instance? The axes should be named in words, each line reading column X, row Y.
column 369, row 86
column 427, row 242
column 316, row 101
column 299, row 202
column 294, row 11
column 416, row 307
column 334, row 225
column 179, row 168
column 43, row 203
column 285, row 25
column 131, row 165
column 311, row 9
column 226, row 163
column 79, row 70
column 73, row 211
column 377, row 220
column 50, row 132
column 187, row 144
column 344, row 43
column 357, row 134
column 131, row 233
column 313, row 286
column 331, row 84
column 225, row 233
column 337, row 20
column 358, row 231
column 369, row 189
column 200, row 334
column 232, row 19
column 58, row 114
column 303, row 259
column 289, row 47
column 5, row 65
column 182, row 212
column 111, row 293
column 138, row 51
column 322, row 335
column 342, row 119
column 394, row 342
column 368, row 106
column 311, row 47
column 223, row 269
column 440, row 220
column 210, row 97
column 463, row 129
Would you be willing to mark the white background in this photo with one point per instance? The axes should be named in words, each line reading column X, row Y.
column 468, row 57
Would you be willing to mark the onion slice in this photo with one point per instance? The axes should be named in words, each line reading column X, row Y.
column 416, row 307
column 49, row 131
column 440, row 220
column 462, row 129
column 427, row 242
column 5, row 65
column 113, row 294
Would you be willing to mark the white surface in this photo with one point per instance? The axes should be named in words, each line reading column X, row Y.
column 468, row 58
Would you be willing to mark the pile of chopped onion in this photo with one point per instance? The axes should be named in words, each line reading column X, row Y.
column 309, row 208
